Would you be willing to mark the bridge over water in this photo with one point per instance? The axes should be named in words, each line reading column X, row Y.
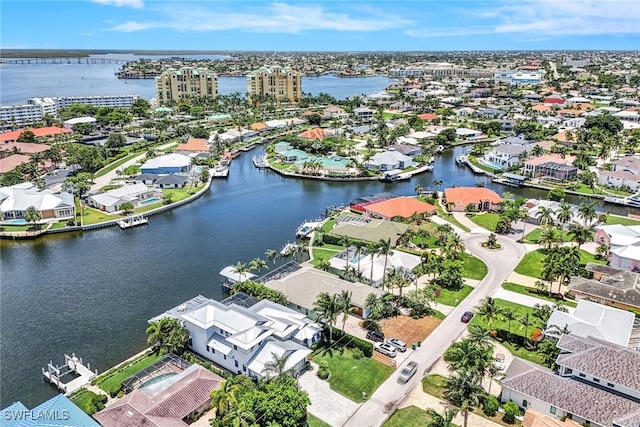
column 85, row 60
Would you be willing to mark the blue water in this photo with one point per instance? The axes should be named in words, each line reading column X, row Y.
column 15, row 222
column 149, row 201
column 492, row 165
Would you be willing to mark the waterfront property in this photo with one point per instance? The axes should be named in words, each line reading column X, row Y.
column 15, row 200
column 482, row 199
column 162, row 181
column 167, row 164
column 389, row 160
column 610, row 286
column 185, row 82
column 169, row 399
column 194, row 145
column 403, row 207
column 243, row 338
column 369, row 229
column 137, row 194
column 57, row 411
column 280, row 83
column 598, row 383
column 303, row 286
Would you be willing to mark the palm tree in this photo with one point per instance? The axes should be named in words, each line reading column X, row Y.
column 372, row 250
column 464, row 393
column 418, row 189
column 323, row 264
column 587, row 211
column 327, row 308
column 549, row 236
column 564, row 214
column 453, row 245
column 344, row 299
column 581, row 234
column 480, row 337
column 493, row 372
column 445, row 420
column 509, row 314
column 526, row 322
column 239, row 417
column 258, row 264
column 545, row 216
column 224, row 399
column 467, row 356
column 275, row 369
column 489, row 311
column 32, row 215
column 375, row 305
column 241, row 270
column 384, row 248
column 272, row 255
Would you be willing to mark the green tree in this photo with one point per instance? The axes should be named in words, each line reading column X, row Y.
column 556, row 194
column 327, row 307
column 127, row 208
column 26, row 136
column 581, row 234
column 168, row 335
column 79, row 184
column 463, row 391
column 444, row 420
column 587, row 211
column 140, row 108
column 32, row 215
column 115, row 141
column 545, row 216
column 346, row 307
column 489, row 311
column 10, row 178
column 384, row 248
column 224, row 399
column 276, row 369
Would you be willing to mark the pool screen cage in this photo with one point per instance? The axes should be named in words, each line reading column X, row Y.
column 169, row 363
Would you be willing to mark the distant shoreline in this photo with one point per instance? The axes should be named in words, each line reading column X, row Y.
column 85, row 53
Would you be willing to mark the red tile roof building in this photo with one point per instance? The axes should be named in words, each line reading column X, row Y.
column 197, row 145
column 315, row 133
column 400, row 206
column 11, row 162
column 38, row 132
column 428, row 116
column 483, row 199
column 23, row 147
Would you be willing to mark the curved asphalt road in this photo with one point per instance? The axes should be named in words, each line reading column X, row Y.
column 390, row 394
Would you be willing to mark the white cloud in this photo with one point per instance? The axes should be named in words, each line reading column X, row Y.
column 271, row 18
column 138, row 4
column 544, row 18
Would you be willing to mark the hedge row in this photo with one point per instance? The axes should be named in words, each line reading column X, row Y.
column 350, row 341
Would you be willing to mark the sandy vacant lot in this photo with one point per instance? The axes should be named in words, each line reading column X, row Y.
column 407, row 329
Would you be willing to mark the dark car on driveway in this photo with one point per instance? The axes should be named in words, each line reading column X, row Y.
column 375, row 336
column 466, row 317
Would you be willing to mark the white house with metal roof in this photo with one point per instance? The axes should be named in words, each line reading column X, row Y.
column 167, row 164
column 243, row 339
column 110, row 201
column 389, row 160
column 16, row 199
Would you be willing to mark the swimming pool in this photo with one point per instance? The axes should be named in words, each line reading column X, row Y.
column 492, row 165
column 157, row 379
column 149, row 201
column 19, row 221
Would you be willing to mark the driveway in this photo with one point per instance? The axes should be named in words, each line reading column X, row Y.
column 326, row 404
column 391, row 394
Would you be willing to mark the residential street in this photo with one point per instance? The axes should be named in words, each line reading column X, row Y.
column 391, row 394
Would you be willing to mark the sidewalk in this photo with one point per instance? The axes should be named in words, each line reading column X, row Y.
column 517, row 298
column 464, row 220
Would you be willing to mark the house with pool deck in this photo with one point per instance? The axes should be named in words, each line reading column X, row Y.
column 242, row 335
column 16, row 199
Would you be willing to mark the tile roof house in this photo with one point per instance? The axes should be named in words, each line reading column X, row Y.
column 459, row 198
column 614, row 287
column 597, row 382
column 23, row 147
column 315, row 133
column 38, row 132
column 403, row 207
column 240, row 339
column 15, row 200
column 533, row 418
column 11, row 162
column 389, row 160
column 58, row 411
column 197, row 145
column 170, row 402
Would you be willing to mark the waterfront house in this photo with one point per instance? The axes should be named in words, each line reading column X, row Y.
column 533, row 167
column 303, row 286
column 110, row 201
column 363, row 114
column 167, row 164
column 241, row 339
column 315, row 133
column 611, row 286
column 482, row 199
column 556, row 172
column 403, row 207
column 58, row 411
column 293, row 155
column 590, row 319
column 597, row 383
column 173, row 401
column 15, row 200
column 231, row 276
column 469, row 134
column 626, row 172
column 505, row 155
column 171, row 181
column 194, row 145
column 407, row 148
column 389, row 160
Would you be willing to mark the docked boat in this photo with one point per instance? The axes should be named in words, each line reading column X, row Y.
column 440, row 149
column 287, row 249
column 461, row 160
column 221, row 172
column 306, row 229
column 259, row 162
column 132, row 221
column 633, row 201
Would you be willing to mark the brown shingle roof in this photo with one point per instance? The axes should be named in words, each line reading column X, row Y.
column 25, row 147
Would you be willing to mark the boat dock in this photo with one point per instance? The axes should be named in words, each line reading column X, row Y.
column 132, row 221
column 74, row 367
column 221, row 172
column 260, row 162
column 307, row 228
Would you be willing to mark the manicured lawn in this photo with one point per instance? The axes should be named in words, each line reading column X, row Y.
column 477, row 164
column 486, row 220
column 58, row 225
column 178, row 194
column 523, row 353
column 429, row 242
column 516, row 327
column 532, row 266
column 14, row 228
column 442, row 213
column 525, row 290
column 434, row 385
column 410, row 416
column 323, row 253
column 473, row 268
column 114, row 381
column 351, row 377
column 612, row 219
column 328, row 226
column 535, row 235
column 112, row 166
column 453, row 298
column 84, row 400
column 316, row 422
column 94, row 216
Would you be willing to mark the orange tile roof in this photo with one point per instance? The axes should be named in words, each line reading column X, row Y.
column 428, row 116
column 25, row 147
column 38, row 132
column 468, row 195
column 541, row 108
column 194, row 144
column 569, row 111
column 400, row 206
column 315, row 133
column 258, row 126
column 533, row 418
column 555, row 158
column 563, row 136
column 10, row 163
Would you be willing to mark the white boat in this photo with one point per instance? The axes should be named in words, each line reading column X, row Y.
column 221, row 172
column 440, row 149
column 259, row 162
column 132, row 221
column 461, row 160
column 286, row 250
column 633, row 201
column 306, row 228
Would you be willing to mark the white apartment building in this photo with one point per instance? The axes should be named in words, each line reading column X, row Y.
column 282, row 83
column 241, row 333
column 516, row 77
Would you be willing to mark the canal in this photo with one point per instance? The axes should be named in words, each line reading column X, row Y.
column 91, row 293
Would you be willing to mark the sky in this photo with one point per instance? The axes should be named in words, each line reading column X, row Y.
column 309, row 25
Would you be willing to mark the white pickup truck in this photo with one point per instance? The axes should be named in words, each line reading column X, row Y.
column 407, row 372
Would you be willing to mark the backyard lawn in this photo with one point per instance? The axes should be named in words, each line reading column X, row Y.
column 314, row 421
column 434, row 385
column 612, row 219
column 114, row 381
column 535, row 235
column 516, row 327
column 453, row 298
column 411, row 416
column 525, row 290
column 323, row 253
column 486, row 220
column 85, row 400
column 442, row 213
column 473, row 268
column 344, row 378
column 532, row 266
column 94, row 216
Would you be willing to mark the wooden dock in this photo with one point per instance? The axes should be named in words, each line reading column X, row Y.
column 72, row 366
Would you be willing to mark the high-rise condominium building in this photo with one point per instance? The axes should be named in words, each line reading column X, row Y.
column 184, row 83
column 282, row 83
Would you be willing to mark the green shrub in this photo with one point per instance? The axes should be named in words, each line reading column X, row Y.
column 357, row 354
column 511, row 410
column 350, row 341
column 323, row 370
column 490, row 406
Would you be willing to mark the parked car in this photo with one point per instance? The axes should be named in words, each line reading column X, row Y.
column 407, row 372
column 400, row 345
column 375, row 335
column 498, row 361
column 467, row 316
column 386, row 349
